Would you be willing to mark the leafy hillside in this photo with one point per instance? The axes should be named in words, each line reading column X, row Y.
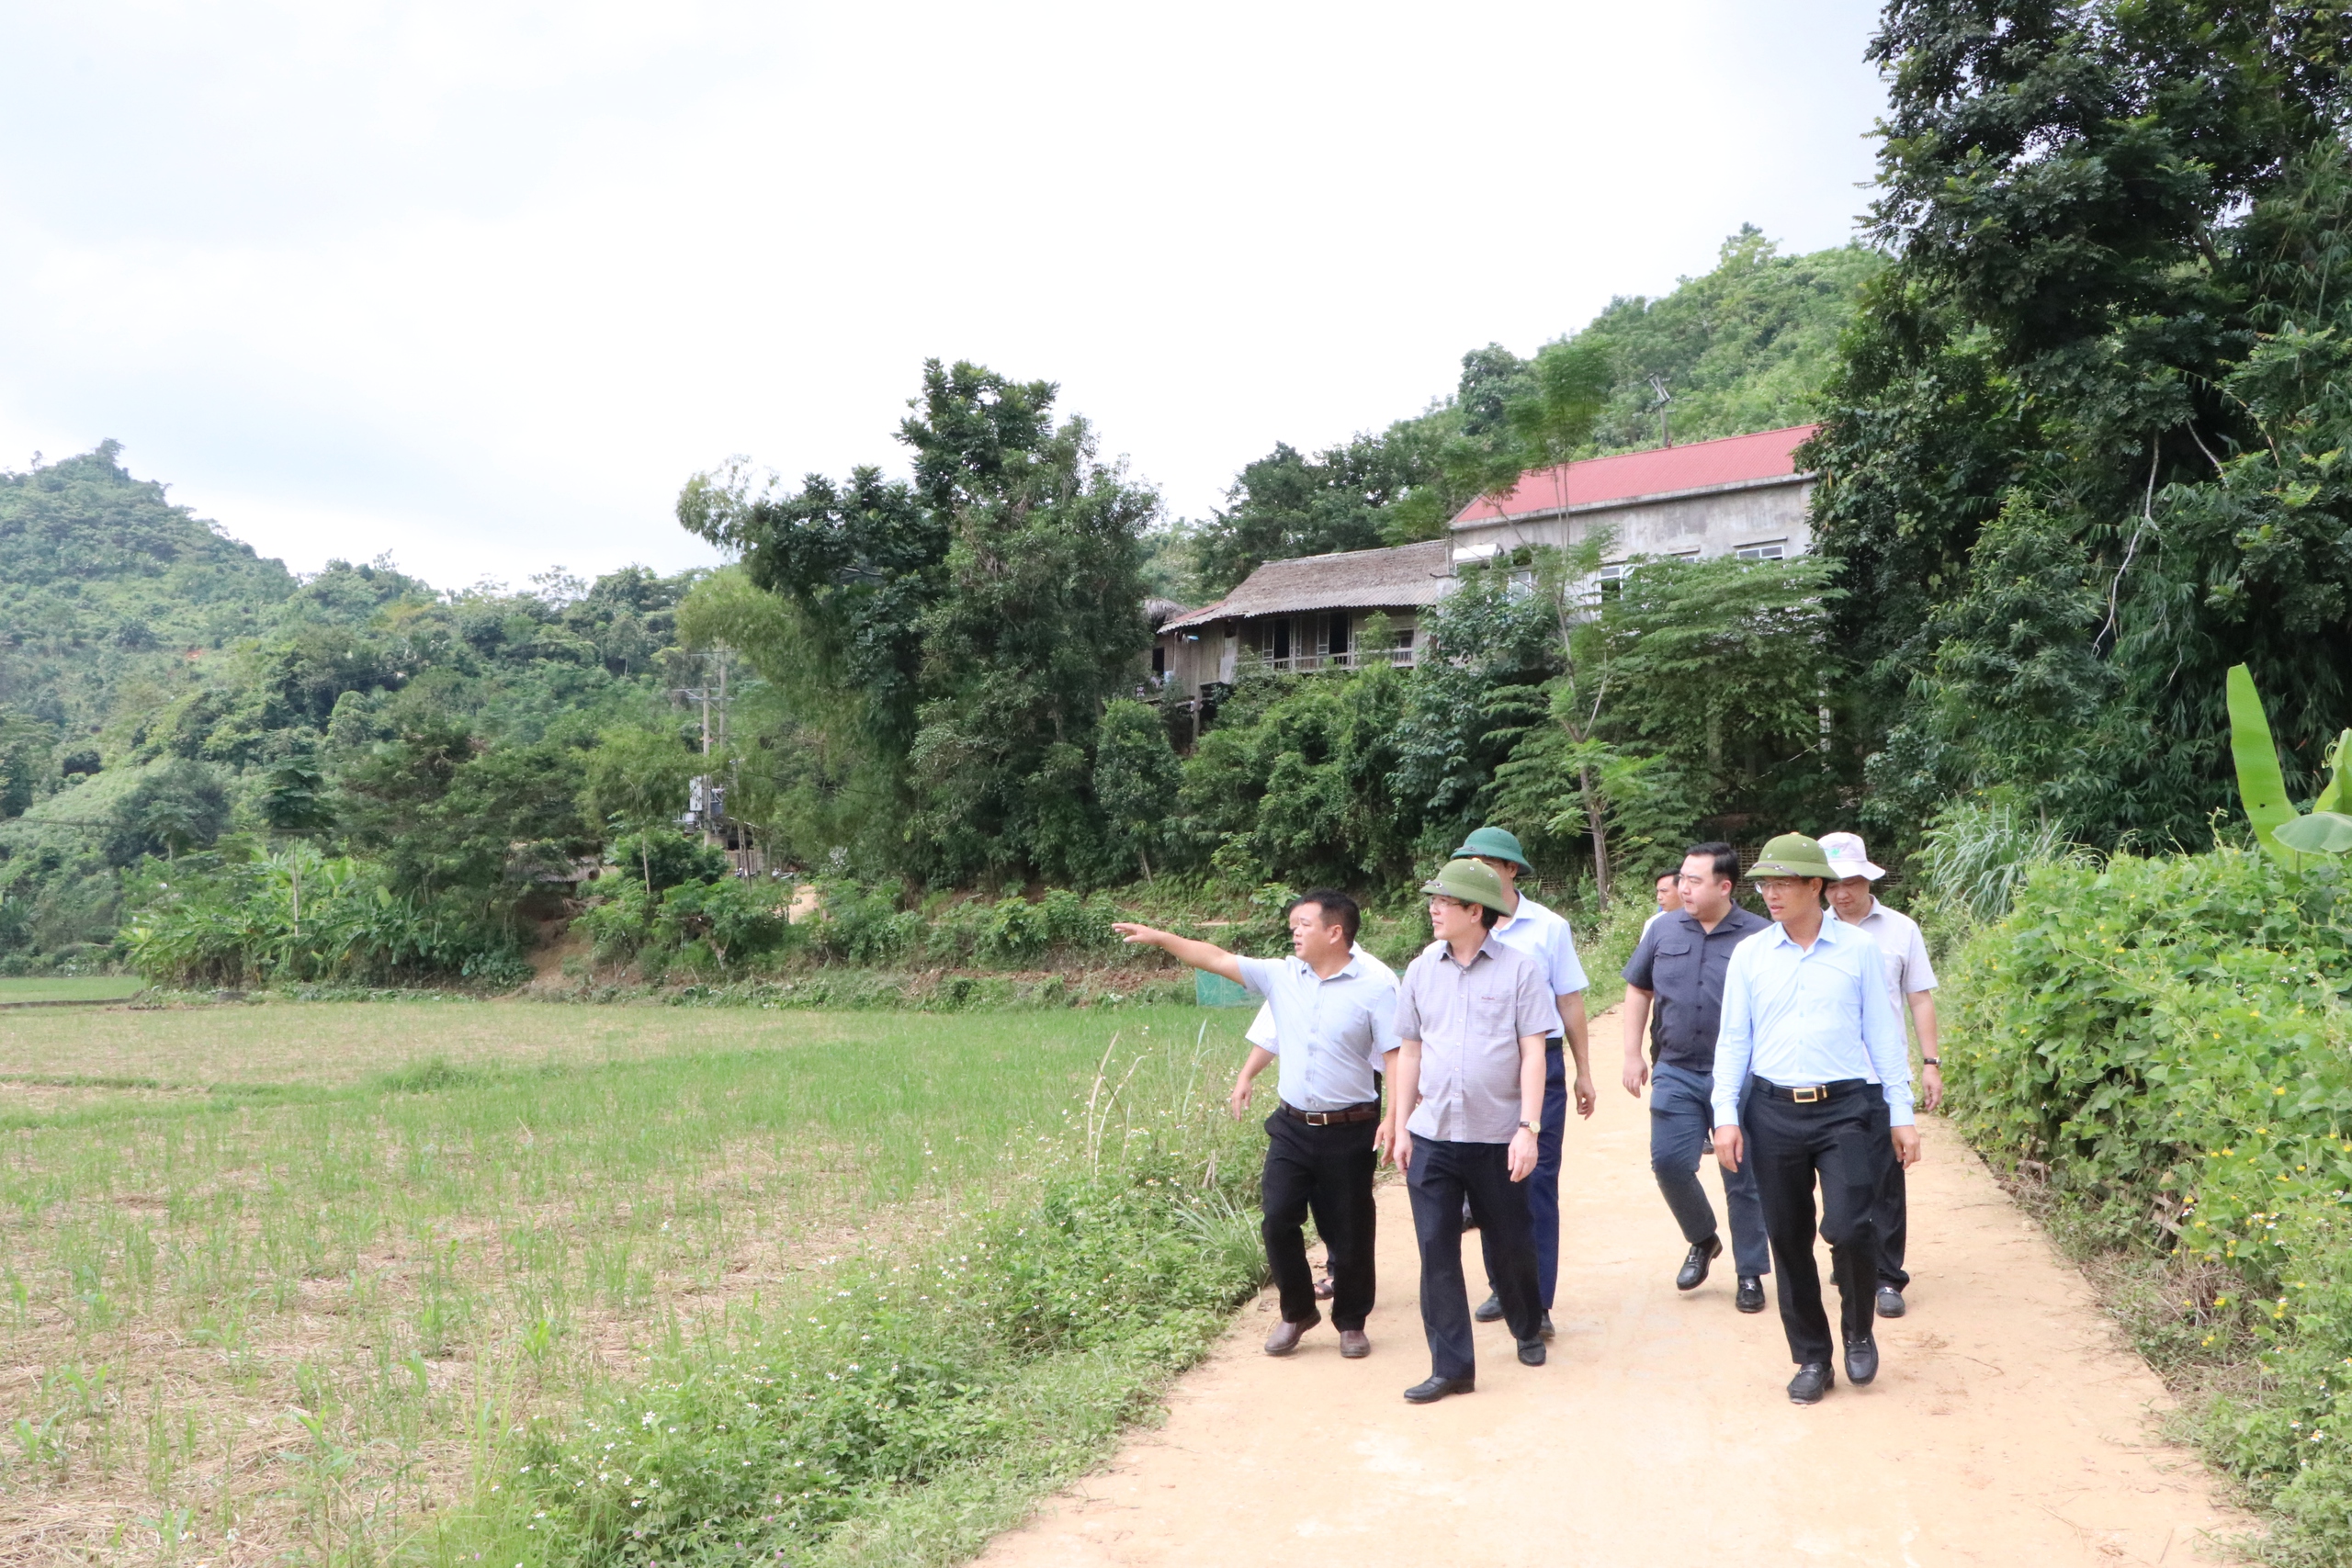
column 166, row 692
column 102, row 581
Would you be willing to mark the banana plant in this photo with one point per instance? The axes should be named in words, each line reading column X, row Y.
column 2283, row 833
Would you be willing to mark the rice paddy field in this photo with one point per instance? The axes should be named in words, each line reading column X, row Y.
column 274, row 1279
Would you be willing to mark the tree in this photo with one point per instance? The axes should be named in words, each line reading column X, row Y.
column 1135, row 777
column 176, row 806
column 985, row 612
column 637, row 781
column 2119, row 271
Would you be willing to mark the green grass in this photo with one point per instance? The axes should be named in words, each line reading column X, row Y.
column 265, row 1268
column 77, row 988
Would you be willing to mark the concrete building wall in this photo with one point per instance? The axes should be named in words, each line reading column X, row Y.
column 1708, row 523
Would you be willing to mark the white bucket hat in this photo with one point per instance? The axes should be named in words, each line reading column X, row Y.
column 1848, row 857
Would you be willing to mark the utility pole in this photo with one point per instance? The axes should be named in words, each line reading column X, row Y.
column 1657, row 385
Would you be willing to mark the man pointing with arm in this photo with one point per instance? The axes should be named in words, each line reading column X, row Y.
column 1334, row 1015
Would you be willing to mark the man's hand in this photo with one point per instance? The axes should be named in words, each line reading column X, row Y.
column 1240, row 1098
column 1931, row 1087
column 1139, row 935
column 1907, row 1146
column 1381, row 1136
column 1400, row 1147
column 1636, row 1076
column 1523, row 1155
column 1585, row 1098
column 1728, row 1147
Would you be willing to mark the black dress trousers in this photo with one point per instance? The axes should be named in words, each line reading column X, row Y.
column 1893, row 1213
column 1326, row 1171
column 1442, row 1176
column 1834, row 1140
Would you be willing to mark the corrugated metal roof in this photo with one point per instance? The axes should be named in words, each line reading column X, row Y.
column 1734, row 459
column 1406, row 575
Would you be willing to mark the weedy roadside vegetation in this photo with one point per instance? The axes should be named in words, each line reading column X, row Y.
column 2161, row 1061
column 919, row 1405
column 287, row 1294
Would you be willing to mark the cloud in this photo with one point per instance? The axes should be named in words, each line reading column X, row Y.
column 485, row 284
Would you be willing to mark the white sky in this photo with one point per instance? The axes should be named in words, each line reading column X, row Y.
column 481, row 285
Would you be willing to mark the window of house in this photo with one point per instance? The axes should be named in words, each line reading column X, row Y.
column 1613, row 580
column 1771, row 549
column 1159, row 662
column 1337, row 634
column 1282, row 637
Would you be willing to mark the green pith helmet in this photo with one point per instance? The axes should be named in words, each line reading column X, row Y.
column 1792, row 854
column 1471, row 883
column 1495, row 843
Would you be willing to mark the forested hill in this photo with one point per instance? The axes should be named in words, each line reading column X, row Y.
column 104, row 581
column 165, row 689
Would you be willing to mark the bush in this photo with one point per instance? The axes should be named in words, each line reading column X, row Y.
column 298, row 916
column 735, row 919
column 2166, row 1040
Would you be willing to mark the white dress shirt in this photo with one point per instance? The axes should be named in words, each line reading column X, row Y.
column 1903, row 950
column 1543, row 935
column 1795, row 1016
column 1333, row 1033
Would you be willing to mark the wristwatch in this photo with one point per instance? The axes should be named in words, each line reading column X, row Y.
column 1531, row 1126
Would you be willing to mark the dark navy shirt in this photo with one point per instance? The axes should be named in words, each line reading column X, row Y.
column 1681, row 964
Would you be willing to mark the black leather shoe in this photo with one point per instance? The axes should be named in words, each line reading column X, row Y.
column 1813, row 1380
column 1861, row 1361
column 1546, row 1329
column 1751, row 1293
column 1531, row 1352
column 1694, row 1268
column 1490, row 1310
column 1890, row 1301
column 1429, row 1391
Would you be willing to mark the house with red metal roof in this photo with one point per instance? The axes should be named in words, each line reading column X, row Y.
column 1742, row 495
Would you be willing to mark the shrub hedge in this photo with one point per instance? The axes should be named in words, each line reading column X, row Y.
column 2164, row 1043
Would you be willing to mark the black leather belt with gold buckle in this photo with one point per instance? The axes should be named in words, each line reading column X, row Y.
column 1812, row 1093
column 1368, row 1112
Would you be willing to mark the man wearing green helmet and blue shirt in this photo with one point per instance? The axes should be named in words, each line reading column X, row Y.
column 1807, row 1025
column 1467, row 1091
column 1543, row 936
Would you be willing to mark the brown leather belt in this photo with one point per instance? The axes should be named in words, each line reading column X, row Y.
column 1368, row 1112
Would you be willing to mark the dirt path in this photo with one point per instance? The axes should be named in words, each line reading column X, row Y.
column 2009, row 1426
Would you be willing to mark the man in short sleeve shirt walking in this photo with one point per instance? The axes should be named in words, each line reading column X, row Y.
column 1334, row 1015
column 1543, row 935
column 1674, row 984
column 1468, row 1094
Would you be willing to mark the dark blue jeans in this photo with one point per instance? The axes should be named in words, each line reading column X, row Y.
column 1682, row 1125
column 1442, row 1177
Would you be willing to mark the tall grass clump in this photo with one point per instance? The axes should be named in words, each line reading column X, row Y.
column 2162, row 1052
column 1976, row 857
column 910, row 1406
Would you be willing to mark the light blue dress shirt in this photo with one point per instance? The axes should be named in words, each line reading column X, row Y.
column 1794, row 1017
column 1543, row 935
column 1331, row 1035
